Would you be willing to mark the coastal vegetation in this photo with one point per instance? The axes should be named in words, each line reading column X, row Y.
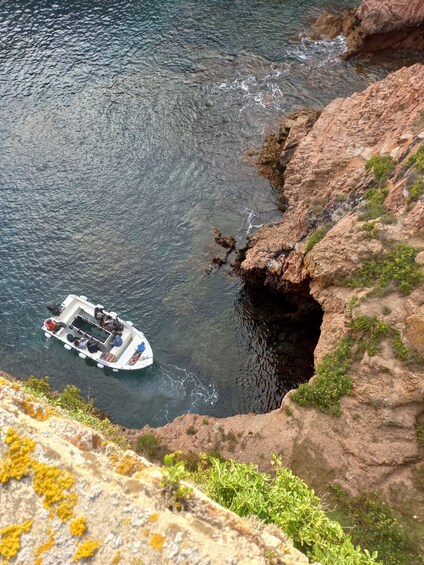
column 381, row 166
column 395, row 268
column 332, row 381
column 315, row 238
column 284, row 500
column 416, row 190
column 151, row 447
column 371, row 523
column 417, row 160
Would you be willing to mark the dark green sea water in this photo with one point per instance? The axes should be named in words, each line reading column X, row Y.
column 122, row 129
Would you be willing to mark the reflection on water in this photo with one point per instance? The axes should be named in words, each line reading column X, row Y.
column 122, row 130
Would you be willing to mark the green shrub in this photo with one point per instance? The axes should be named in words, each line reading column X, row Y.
column 176, row 493
column 416, row 191
column 331, row 381
column 399, row 348
column 371, row 523
column 150, row 446
column 38, row 387
column 370, row 229
column 374, row 203
column 382, row 166
column 286, row 501
column 417, row 160
column 70, row 399
column 368, row 332
column 396, row 266
column 191, row 431
column 419, row 432
column 315, row 238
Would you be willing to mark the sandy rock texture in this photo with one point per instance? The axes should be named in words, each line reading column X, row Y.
column 68, row 496
column 373, row 445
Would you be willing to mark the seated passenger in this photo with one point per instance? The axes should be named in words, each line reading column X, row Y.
column 117, row 340
column 92, row 345
column 80, row 343
column 107, row 322
column 53, row 325
column 99, row 313
column 117, row 325
column 50, row 324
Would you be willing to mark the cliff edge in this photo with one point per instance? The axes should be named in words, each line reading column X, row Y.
column 67, row 495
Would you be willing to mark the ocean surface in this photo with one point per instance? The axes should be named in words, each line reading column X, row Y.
column 123, row 126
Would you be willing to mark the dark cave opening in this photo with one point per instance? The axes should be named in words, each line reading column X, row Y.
column 290, row 325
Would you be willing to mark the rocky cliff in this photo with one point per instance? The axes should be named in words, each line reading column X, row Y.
column 378, row 24
column 352, row 182
column 67, row 496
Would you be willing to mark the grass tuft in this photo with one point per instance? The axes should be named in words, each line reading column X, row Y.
column 315, row 238
column 417, row 160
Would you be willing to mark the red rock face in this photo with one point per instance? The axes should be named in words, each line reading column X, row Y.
column 326, row 174
column 387, row 24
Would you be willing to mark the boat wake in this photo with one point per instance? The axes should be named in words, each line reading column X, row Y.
column 183, row 391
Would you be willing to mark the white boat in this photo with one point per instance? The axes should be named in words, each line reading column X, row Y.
column 79, row 320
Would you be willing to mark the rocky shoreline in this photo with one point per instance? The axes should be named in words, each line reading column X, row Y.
column 376, row 26
column 339, row 215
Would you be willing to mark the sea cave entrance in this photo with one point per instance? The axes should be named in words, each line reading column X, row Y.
column 289, row 324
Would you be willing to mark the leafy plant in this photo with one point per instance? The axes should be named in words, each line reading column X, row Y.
column 71, row 400
column 315, row 238
column 150, row 446
column 371, row 523
column 416, row 190
column 419, row 432
column 374, row 203
column 286, row 501
column 399, row 348
column 417, row 160
column 370, row 229
column 396, row 266
column 330, row 383
column 368, row 333
column 382, row 166
column 177, row 493
column 38, row 387
column 191, row 431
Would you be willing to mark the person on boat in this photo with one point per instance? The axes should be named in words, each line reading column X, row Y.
column 107, row 322
column 117, row 325
column 80, row 343
column 117, row 340
column 99, row 313
column 53, row 325
column 92, row 345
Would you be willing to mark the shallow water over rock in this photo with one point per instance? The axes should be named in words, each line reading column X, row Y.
column 122, row 132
